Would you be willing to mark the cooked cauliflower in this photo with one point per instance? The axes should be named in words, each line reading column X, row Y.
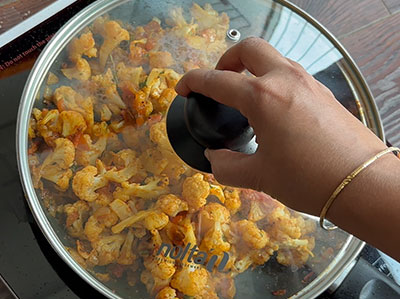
column 76, row 215
column 195, row 191
column 218, row 192
column 113, row 35
column 48, row 125
column 121, row 209
column 107, row 249
column 215, row 239
column 80, row 71
column 167, row 293
column 131, row 166
column 151, row 219
column 180, row 231
column 153, row 188
column 160, row 59
column 55, row 167
column 84, row 45
column 68, row 99
column 250, row 234
column 127, row 257
column 133, row 75
column 87, row 181
column 88, row 152
column 72, row 123
column 190, row 281
column 153, row 161
column 232, row 200
column 171, row 204
column 211, row 214
column 160, row 268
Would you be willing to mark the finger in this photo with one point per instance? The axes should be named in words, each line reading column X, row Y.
column 253, row 54
column 231, row 168
column 229, row 88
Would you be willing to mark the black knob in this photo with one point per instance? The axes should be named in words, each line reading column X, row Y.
column 199, row 122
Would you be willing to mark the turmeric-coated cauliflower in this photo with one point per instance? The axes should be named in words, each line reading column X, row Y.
column 158, row 59
column 72, row 123
column 87, row 181
column 48, row 125
column 67, row 99
column 113, row 35
column 55, row 167
column 195, row 191
column 232, row 200
column 131, row 166
column 190, row 281
column 84, row 45
column 76, row 215
column 248, row 232
column 153, row 188
column 171, row 204
column 107, row 249
column 80, row 71
column 87, row 152
column 167, row 293
column 151, row 219
column 127, row 256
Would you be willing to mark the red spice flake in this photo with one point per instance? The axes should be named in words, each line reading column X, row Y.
column 279, row 292
column 328, row 253
column 308, row 277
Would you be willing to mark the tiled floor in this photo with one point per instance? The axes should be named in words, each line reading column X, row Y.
column 370, row 31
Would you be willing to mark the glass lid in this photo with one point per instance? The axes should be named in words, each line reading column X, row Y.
column 111, row 195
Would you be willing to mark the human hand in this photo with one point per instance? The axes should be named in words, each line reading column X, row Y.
column 308, row 142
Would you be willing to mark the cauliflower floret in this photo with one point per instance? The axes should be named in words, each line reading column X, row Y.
column 131, row 166
column 282, row 225
column 164, row 100
column 167, row 293
column 131, row 74
column 158, row 135
column 104, row 86
column 113, row 35
column 107, row 249
column 214, row 239
column 55, row 167
column 76, row 215
column 160, row 59
column 298, row 254
column 126, row 255
column 87, row 181
column 195, row 191
column 151, row 219
column 137, row 55
column 121, row 209
column 80, row 71
column 84, row 45
column 153, row 188
column 72, row 123
column 68, row 99
column 153, row 161
column 160, row 268
column 93, row 228
column 190, row 281
column 87, row 152
column 171, row 204
column 232, row 200
column 180, row 231
column 210, row 214
column 142, row 105
column 207, row 18
column 48, row 124
column 250, row 234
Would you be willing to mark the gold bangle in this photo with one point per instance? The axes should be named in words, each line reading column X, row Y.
column 346, row 181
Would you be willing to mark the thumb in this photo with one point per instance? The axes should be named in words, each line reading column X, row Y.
column 231, row 168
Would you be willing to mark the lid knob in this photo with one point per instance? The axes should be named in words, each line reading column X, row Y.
column 199, row 122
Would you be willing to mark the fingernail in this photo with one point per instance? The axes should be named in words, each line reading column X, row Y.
column 207, row 154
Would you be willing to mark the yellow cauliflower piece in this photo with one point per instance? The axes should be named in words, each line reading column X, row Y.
column 195, row 191
column 104, row 87
column 93, row 228
column 88, row 152
column 167, row 293
column 296, row 253
column 84, row 45
column 48, row 124
column 76, row 215
column 55, row 167
column 131, row 166
column 250, row 234
column 80, row 71
column 67, row 99
column 210, row 214
column 171, row 204
column 189, row 281
column 153, row 188
column 160, row 268
column 87, row 181
column 131, row 74
column 232, row 200
column 214, row 239
column 153, row 161
column 181, row 231
column 121, row 209
column 151, row 219
column 72, row 123
column 217, row 191
column 107, row 249
column 113, row 35
column 126, row 255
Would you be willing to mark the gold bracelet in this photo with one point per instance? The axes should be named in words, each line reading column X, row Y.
column 346, row 181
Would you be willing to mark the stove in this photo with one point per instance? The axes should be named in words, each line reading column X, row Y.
column 29, row 267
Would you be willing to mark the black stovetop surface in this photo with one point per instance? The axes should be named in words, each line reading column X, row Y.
column 28, row 264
